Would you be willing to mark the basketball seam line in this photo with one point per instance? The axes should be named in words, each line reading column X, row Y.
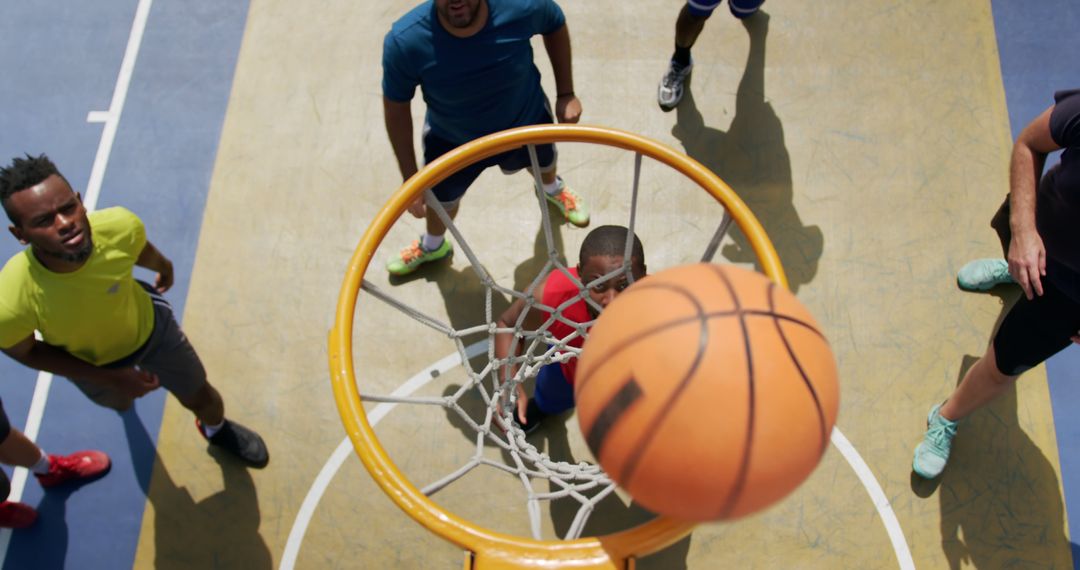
column 802, row 374
column 744, row 464
column 585, row 375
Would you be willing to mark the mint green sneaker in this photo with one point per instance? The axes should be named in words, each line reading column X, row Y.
column 415, row 255
column 571, row 205
column 983, row 274
column 933, row 453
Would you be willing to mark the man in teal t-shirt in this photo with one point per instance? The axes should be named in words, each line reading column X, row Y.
column 115, row 338
column 473, row 62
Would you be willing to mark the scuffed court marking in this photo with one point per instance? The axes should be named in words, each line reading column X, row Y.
column 344, row 450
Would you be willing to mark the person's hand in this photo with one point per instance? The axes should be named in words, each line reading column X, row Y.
column 1027, row 262
column 134, row 382
column 164, row 278
column 1075, row 338
column 522, row 403
column 418, row 209
column 568, row 108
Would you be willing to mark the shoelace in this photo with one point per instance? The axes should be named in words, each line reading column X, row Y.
column 1000, row 272
column 941, row 435
column 412, row 252
column 568, row 200
column 672, row 74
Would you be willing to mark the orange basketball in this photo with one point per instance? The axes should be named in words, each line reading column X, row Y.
column 707, row 392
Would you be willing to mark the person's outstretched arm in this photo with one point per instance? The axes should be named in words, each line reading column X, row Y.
column 567, row 105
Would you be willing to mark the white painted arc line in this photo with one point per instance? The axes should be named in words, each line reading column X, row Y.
column 877, row 496
column 111, row 118
column 344, row 450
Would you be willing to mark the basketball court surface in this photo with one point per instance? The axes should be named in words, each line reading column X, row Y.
column 870, row 138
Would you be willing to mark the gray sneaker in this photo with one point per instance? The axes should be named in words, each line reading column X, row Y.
column 983, row 274
column 671, row 87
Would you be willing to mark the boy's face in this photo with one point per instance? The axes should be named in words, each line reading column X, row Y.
column 599, row 265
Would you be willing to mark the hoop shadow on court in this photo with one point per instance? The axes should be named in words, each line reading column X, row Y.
column 219, row 531
column 1000, row 501
column 752, row 158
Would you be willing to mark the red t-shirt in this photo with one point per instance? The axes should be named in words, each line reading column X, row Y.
column 558, row 289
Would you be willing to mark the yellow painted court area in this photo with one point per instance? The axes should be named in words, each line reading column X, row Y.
column 870, row 140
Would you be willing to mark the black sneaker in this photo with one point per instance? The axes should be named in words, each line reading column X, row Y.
column 533, row 416
column 239, row 441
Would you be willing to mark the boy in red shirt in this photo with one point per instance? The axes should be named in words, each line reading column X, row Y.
column 601, row 253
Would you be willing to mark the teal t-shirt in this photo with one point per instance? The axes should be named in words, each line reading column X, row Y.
column 473, row 86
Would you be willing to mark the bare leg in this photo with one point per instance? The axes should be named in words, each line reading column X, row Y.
column 206, row 404
column 548, row 177
column 980, row 386
column 687, row 28
column 17, row 449
column 435, row 225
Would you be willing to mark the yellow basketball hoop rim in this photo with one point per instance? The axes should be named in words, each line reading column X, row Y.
column 493, row 549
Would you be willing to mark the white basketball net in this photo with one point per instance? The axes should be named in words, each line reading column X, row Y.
column 583, row 482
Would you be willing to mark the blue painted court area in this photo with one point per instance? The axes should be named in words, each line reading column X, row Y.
column 1036, row 43
column 61, row 61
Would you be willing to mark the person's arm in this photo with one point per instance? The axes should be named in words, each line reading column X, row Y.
column 1027, row 256
column 41, row 356
column 567, row 105
column 399, row 126
column 507, row 320
column 151, row 258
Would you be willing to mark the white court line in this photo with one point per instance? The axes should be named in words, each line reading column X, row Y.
column 111, row 118
column 877, row 495
column 344, row 450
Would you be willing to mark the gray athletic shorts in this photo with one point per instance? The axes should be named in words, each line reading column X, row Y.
column 166, row 353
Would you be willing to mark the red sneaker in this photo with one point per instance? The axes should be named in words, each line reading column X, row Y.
column 16, row 515
column 78, row 465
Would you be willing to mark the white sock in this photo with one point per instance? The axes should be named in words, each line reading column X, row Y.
column 430, row 242
column 553, row 188
column 42, row 465
column 210, row 430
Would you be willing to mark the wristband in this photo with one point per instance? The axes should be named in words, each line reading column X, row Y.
column 567, row 94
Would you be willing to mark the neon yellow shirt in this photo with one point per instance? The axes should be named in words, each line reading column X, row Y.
column 97, row 313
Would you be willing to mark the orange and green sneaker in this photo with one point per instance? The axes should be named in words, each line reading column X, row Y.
column 571, row 205
column 412, row 257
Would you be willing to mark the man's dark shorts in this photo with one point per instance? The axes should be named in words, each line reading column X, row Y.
column 166, row 353
column 453, row 188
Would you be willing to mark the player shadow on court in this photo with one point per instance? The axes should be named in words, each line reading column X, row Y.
column 48, row 538
column 1000, row 499
column 610, row 514
column 219, row 531
column 752, row 158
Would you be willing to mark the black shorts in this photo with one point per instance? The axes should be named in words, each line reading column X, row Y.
column 1035, row 330
column 5, row 423
column 453, row 188
column 5, row 431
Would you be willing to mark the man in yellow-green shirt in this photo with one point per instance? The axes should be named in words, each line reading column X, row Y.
column 112, row 336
